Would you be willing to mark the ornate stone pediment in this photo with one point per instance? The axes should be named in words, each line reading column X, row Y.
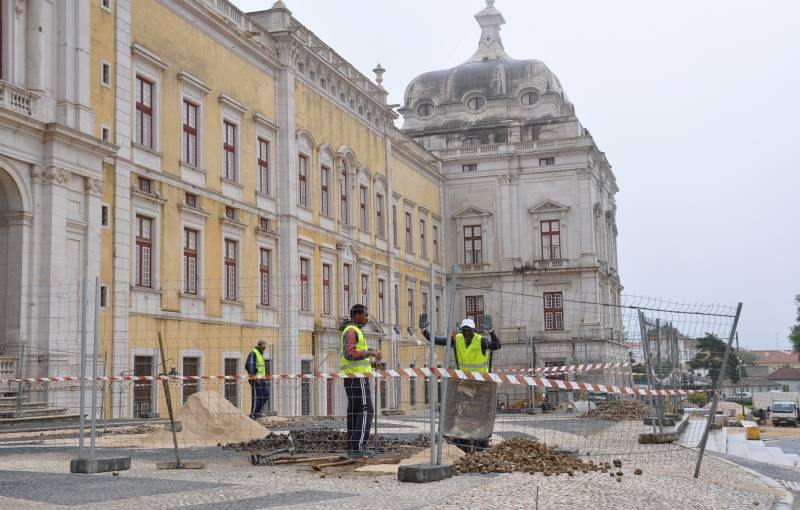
column 471, row 212
column 548, row 206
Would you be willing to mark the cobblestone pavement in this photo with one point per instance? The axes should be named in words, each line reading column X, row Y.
column 788, row 478
column 36, row 478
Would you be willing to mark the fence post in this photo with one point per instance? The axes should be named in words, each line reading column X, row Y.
column 431, row 363
column 94, row 363
column 451, row 297
column 718, row 385
column 84, row 307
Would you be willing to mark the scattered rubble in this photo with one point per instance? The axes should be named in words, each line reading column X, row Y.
column 316, row 441
column 621, row 410
column 522, row 455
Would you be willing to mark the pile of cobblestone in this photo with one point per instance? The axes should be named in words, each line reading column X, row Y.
column 524, row 455
column 318, row 441
column 621, row 410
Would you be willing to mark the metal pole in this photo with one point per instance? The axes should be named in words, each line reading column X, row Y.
column 178, row 464
column 647, row 364
column 715, row 402
column 82, row 406
column 271, row 380
column 451, row 297
column 94, row 363
column 20, row 364
column 431, row 363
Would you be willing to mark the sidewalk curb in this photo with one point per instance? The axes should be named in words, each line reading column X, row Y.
column 783, row 502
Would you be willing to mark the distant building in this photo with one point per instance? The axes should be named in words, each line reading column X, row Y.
column 777, row 359
column 787, row 377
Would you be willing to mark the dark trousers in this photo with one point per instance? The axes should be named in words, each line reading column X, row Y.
column 359, row 412
column 259, row 396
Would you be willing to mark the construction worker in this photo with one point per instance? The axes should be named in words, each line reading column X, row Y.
column 356, row 358
column 471, row 349
column 259, row 387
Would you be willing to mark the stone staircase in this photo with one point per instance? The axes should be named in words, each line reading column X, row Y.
column 32, row 411
column 739, row 446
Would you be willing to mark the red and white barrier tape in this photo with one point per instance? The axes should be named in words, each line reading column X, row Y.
column 572, row 368
column 496, row 378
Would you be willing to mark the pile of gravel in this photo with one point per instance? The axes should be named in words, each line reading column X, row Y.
column 523, row 455
column 621, row 410
column 319, row 441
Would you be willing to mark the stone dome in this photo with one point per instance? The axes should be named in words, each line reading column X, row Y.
column 505, row 88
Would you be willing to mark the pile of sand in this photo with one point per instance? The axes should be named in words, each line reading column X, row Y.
column 206, row 419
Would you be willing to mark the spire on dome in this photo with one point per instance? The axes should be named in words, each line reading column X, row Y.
column 490, row 46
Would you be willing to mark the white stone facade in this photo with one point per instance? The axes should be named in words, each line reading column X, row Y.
column 517, row 163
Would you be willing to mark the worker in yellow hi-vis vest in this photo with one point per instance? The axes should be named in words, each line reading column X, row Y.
column 356, row 359
column 472, row 350
column 256, row 367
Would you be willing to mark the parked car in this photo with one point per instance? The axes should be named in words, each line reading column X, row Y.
column 742, row 397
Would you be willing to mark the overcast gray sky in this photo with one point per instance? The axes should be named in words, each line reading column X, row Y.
column 694, row 102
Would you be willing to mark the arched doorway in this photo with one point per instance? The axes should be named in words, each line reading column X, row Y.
column 13, row 219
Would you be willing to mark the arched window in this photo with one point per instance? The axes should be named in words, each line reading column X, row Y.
column 476, row 103
column 529, row 98
column 425, row 110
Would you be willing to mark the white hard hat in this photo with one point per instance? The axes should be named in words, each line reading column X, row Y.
column 468, row 323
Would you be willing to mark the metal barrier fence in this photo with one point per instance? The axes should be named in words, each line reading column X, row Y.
column 588, row 375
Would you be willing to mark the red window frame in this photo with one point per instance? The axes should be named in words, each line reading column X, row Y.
column 304, row 286
column 551, row 239
column 144, row 112
column 326, row 288
column 365, row 290
column 231, row 284
column 473, row 244
column 144, row 251
column 190, row 243
column 362, row 204
column 475, row 311
column 145, row 185
column 381, row 300
column 229, row 150
column 553, row 311
column 409, row 237
column 325, row 199
column 265, row 257
column 344, row 216
column 346, row 275
column 379, row 215
column 190, row 133
column 302, row 179
column 263, row 166
column 191, row 200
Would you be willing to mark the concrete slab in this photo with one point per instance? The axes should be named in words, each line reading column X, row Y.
column 92, row 466
column 424, row 473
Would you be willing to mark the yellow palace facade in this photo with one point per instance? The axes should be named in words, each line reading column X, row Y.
column 258, row 189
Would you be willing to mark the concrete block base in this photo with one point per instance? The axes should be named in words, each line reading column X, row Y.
column 89, row 466
column 423, row 473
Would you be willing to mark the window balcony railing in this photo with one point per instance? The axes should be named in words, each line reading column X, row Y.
column 471, row 268
column 17, row 99
column 8, row 367
column 550, row 264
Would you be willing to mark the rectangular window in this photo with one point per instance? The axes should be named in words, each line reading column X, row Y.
column 143, row 391
column 263, row 166
column 424, row 302
column 232, row 385
column 397, row 304
column 264, row 263
column 547, row 161
column 264, row 224
column 412, row 388
column 381, row 301
column 189, row 133
column 229, row 150
column 326, row 288
column 191, row 200
column 409, row 236
column 105, row 133
column 305, row 388
column 551, row 240
column 325, row 197
column 145, row 185
column 472, row 167
column 362, row 204
column 104, row 215
column 475, row 310
column 344, row 217
column 105, row 74
column 230, row 213
column 423, row 246
column 144, row 251
column 380, row 227
column 395, row 236
column 553, row 311
column 473, row 245
column 106, row 4
column 144, row 112
column 190, row 261
column 302, row 175
column 435, row 243
column 438, row 312
column 410, row 308
column 103, row 296
column 305, row 286
column 346, row 288
column 231, row 290
column 191, row 368
column 365, row 290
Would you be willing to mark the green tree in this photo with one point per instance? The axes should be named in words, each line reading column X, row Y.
column 710, row 351
column 698, row 398
column 747, row 357
column 794, row 333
